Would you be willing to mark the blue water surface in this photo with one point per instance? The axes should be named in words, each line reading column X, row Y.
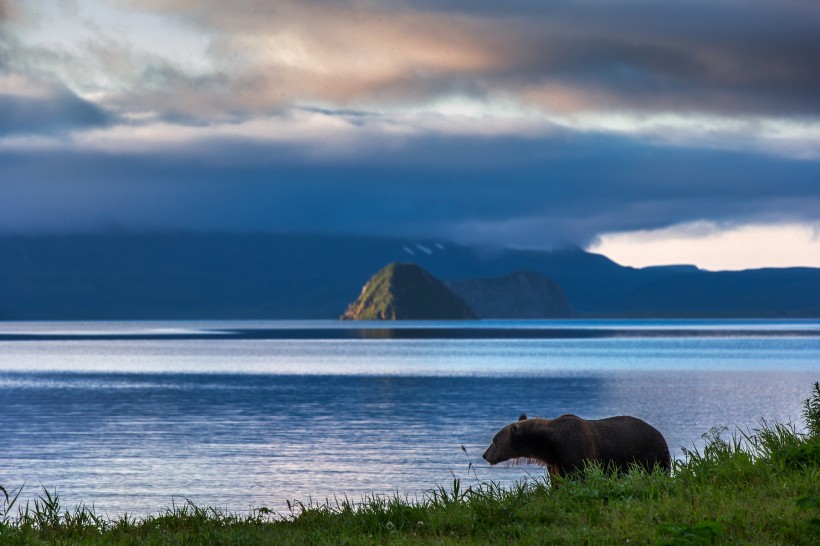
column 131, row 417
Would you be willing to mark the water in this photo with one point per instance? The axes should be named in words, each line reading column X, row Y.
column 134, row 416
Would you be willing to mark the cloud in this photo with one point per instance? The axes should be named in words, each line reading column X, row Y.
column 716, row 247
column 735, row 75
column 735, row 58
column 522, row 123
column 29, row 107
column 523, row 192
column 308, row 53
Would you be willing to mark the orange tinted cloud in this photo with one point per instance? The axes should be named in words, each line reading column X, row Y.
column 327, row 53
column 733, row 58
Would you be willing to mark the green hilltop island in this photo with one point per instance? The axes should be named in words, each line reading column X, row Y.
column 405, row 291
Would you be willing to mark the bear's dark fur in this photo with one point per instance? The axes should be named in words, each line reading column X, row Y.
column 564, row 444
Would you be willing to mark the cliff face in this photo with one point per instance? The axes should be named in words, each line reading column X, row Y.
column 403, row 291
column 521, row 295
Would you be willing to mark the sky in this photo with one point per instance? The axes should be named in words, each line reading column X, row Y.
column 682, row 131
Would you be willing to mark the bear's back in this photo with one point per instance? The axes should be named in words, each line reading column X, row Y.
column 625, row 440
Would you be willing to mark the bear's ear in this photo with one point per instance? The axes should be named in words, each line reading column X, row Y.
column 522, row 417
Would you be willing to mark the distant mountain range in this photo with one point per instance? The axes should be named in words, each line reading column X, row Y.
column 241, row 276
column 519, row 295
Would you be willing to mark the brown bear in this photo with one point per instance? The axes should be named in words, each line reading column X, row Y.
column 564, row 444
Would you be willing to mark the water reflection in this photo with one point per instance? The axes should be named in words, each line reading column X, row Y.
column 134, row 441
column 129, row 424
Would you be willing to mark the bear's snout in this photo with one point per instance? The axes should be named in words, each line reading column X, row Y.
column 489, row 455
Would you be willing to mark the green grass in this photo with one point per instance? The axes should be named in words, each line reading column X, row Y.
column 759, row 486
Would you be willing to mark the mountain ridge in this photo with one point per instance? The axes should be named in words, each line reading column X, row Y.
column 296, row 276
column 519, row 295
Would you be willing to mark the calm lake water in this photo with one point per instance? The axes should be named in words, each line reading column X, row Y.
column 134, row 416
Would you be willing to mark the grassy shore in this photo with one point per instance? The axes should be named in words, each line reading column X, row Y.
column 759, row 486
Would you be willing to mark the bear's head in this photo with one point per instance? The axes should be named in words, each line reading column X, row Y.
column 511, row 442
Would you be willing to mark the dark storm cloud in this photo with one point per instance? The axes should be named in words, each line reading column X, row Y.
column 755, row 57
column 58, row 112
column 518, row 195
column 326, row 116
column 729, row 58
column 734, row 59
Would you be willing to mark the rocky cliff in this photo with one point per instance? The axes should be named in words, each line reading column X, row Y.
column 402, row 291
